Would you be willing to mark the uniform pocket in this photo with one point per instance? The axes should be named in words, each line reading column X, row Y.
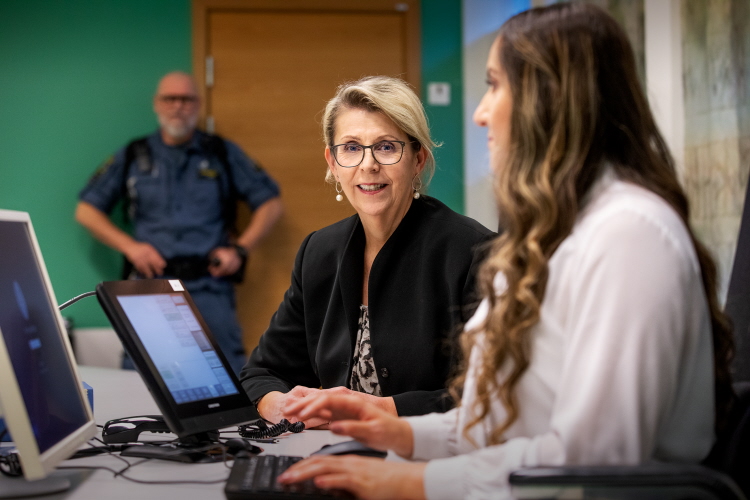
column 151, row 196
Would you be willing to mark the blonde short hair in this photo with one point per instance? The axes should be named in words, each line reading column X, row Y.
column 395, row 99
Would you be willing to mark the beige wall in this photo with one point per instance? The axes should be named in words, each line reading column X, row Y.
column 716, row 60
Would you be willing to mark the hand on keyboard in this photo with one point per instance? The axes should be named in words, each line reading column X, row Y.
column 368, row 478
column 254, row 478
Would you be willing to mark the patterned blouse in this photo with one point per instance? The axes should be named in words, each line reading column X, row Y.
column 364, row 379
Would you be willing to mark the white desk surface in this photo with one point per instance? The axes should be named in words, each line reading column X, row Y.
column 120, row 393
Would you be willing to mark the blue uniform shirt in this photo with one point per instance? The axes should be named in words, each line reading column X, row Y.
column 178, row 206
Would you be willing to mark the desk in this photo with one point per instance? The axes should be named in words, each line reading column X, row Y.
column 121, row 393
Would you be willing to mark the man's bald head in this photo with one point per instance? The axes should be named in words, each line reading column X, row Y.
column 176, row 105
column 177, row 82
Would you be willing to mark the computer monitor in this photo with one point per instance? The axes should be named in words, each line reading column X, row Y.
column 179, row 360
column 42, row 400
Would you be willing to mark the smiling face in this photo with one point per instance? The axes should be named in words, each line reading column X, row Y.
column 379, row 193
column 495, row 109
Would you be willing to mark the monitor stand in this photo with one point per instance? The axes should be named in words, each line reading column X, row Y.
column 18, row 487
column 198, row 448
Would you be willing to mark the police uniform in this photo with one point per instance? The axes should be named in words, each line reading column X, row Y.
column 178, row 205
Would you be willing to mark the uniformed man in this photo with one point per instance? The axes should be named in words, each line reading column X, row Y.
column 180, row 187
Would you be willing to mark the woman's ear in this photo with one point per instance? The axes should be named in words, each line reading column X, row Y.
column 421, row 159
column 331, row 162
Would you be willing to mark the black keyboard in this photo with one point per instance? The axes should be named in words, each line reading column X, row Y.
column 254, row 478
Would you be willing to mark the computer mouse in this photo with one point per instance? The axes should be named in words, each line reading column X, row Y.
column 127, row 430
column 240, row 448
column 350, row 448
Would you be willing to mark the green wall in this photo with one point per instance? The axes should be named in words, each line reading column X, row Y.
column 441, row 62
column 76, row 77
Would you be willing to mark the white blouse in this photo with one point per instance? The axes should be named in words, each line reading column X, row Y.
column 621, row 365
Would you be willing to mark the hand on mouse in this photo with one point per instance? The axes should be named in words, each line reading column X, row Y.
column 363, row 421
column 369, row 478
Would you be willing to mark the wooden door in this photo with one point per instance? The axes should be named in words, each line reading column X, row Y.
column 275, row 65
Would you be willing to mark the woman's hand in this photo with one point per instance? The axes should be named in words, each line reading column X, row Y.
column 384, row 403
column 369, row 478
column 351, row 416
column 272, row 406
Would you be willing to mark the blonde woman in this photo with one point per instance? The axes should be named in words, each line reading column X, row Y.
column 375, row 300
column 599, row 340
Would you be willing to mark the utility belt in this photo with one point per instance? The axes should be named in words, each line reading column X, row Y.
column 187, row 268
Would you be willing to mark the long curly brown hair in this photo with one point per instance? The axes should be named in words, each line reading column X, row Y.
column 577, row 105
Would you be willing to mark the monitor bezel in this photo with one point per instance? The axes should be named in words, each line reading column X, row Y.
column 38, row 465
column 184, row 419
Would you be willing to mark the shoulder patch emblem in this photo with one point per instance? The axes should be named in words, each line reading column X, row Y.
column 102, row 169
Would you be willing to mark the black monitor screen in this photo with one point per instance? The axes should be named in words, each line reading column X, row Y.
column 176, row 355
column 178, row 346
column 34, row 342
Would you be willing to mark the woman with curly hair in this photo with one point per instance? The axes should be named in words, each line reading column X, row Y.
column 599, row 339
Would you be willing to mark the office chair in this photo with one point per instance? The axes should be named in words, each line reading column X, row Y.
column 727, row 477
column 738, row 297
column 725, row 474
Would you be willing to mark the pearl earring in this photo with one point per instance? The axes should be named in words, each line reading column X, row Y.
column 416, row 188
column 339, row 197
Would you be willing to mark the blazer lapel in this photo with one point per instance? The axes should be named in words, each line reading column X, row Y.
column 350, row 279
column 390, row 257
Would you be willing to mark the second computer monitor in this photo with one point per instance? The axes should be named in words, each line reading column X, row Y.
column 176, row 355
column 41, row 397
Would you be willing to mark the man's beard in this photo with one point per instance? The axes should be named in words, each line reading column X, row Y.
column 179, row 130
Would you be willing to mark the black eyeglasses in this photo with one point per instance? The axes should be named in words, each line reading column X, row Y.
column 384, row 152
column 178, row 98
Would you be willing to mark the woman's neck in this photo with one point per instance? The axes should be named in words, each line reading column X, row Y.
column 379, row 228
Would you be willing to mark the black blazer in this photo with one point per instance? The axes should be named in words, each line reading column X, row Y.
column 421, row 291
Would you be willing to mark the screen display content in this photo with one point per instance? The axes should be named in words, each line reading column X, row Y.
column 42, row 402
column 179, row 361
column 31, row 333
column 179, row 349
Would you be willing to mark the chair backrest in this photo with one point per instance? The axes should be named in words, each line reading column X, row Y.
column 737, row 458
column 734, row 453
column 738, row 297
column 731, row 454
